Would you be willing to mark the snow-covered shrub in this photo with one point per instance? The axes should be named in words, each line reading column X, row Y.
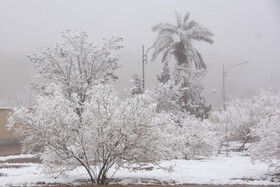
column 136, row 85
column 198, row 136
column 180, row 98
column 104, row 134
column 267, row 149
column 182, row 93
column 165, row 75
column 166, row 96
column 220, row 121
column 187, row 136
column 267, row 130
column 243, row 114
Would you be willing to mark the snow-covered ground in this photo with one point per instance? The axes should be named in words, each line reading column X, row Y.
column 235, row 169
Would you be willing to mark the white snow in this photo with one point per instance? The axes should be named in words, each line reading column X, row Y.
column 4, row 158
column 235, row 169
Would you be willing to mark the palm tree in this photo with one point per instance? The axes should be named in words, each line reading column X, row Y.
column 177, row 41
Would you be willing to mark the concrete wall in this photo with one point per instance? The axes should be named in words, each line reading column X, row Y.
column 6, row 137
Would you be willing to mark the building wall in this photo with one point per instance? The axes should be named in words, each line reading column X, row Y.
column 6, row 136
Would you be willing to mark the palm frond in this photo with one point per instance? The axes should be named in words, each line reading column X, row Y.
column 157, row 27
column 200, row 33
column 196, row 58
column 176, row 41
column 186, row 17
column 161, row 44
column 165, row 55
column 190, row 25
column 178, row 19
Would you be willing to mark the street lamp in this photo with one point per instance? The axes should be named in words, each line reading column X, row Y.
column 224, row 83
column 224, row 95
column 144, row 59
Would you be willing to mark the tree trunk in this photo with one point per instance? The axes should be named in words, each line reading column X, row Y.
column 242, row 147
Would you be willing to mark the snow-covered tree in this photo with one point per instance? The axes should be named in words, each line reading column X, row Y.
column 107, row 134
column 267, row 149
column 190, row 87
column 182, row 93
column 136, row 84
column 76, row 64
column 167, row 97
column 165, row 75
column 177, row 41
column 187, row 136
column 244, row 114
column 267, row 130
column 221, row 124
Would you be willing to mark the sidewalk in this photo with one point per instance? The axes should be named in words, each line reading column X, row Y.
column 13, row 149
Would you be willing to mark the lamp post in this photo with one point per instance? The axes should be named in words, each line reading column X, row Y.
column 225, row 69
column 224, row 95
column 144, row 59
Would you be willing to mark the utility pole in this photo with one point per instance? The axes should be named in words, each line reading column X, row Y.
column 144, row 59
column 224, row 96
column 143, row 66
column 224, row 88
column 225, row 69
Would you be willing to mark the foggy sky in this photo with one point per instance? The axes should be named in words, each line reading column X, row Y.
column 243, row 30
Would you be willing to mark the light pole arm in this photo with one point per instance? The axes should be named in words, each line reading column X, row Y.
column 144, row 59
column 236, row 65
column 224, row 82
column 146, row 56
column 224, row 96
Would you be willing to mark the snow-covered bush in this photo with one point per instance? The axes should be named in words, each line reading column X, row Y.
column 220, row 121
column 268, row 147
column 181, row 93
column 106, row 133
column 136, row 85
column 198, row 136
column 165, row 75
column 179, row 99
column 242, row 115
column 166, row 96
column 267, row 130
column 188, row 137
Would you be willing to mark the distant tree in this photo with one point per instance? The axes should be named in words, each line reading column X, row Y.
column 165, row 75
column 244, row 115
column 182, row 93
column 177, row 41
column 137, row 85
column 25, row 97
column 5, row 102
